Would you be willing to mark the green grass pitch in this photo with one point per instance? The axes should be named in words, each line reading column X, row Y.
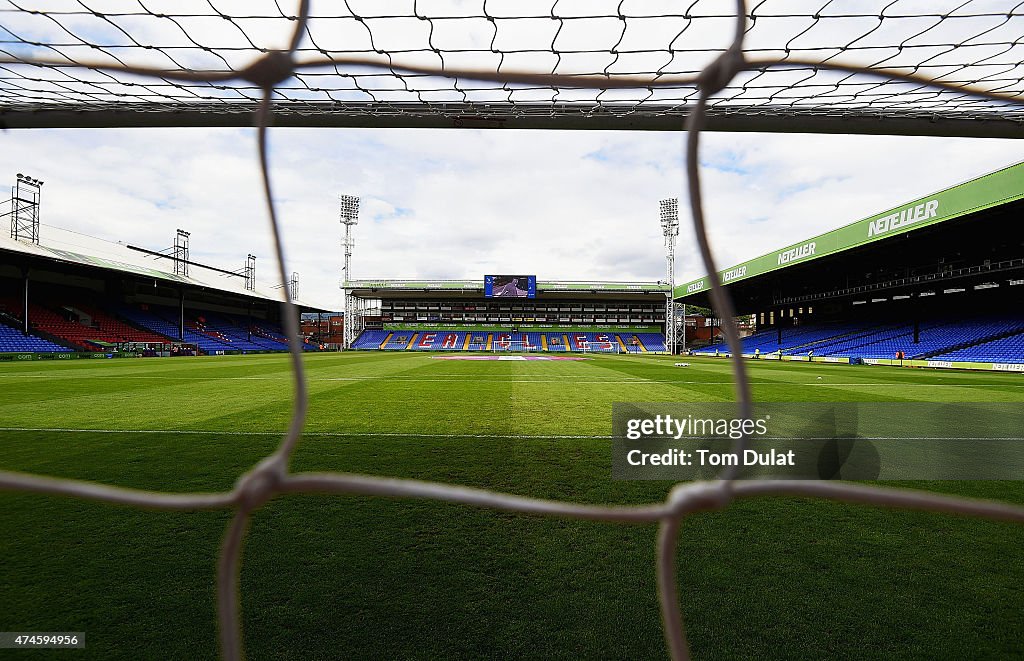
column 348, row 577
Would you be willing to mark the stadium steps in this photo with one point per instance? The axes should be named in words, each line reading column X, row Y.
column 967, row 345
column 386, row 340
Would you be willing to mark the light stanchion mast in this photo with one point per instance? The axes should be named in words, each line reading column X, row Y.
column 670, row 230
column 349, row 213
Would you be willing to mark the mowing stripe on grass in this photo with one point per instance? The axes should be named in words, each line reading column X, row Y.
column 498, row 379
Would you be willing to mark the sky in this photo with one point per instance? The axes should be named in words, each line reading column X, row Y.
column 458, row 204
column 462, row 203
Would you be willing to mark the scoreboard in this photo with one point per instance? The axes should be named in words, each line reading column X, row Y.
column 510, row 286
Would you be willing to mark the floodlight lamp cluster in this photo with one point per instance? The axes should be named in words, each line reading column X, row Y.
column 349, row 209
column 25, row 179
column 670, row 217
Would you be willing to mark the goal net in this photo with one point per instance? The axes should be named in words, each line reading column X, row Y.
column 940, row 68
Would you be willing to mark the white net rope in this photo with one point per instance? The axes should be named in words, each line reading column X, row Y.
column 272, row 477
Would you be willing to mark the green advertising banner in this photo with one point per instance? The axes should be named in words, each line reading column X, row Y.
column 991, row 190
column 50, row 355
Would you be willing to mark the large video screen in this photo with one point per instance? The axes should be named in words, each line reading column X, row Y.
column 510, row 286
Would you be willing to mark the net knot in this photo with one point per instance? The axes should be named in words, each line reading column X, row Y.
column 723, row 69
column 697, row 497
column 258, row 486
column 270, row 70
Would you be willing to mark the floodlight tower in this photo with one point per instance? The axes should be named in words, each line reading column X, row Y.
column 25, row 208
column 349, row 213
column 670, row 229
column 181, row 252
column 250, row 272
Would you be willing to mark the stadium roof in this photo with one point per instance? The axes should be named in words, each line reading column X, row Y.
column 122, row 259
column 475, row 288
column 990, row 190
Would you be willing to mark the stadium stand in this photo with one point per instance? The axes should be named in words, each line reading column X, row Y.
column 652, row 341
column 595, row 342
column 936, row 336
column 87, row 327
column 978, row 339
column 124, row 304
column 236, row 333
column 795, row 340
column 273, row 334
column 12, row 340
column 113, row 326
column 941, row 289
column 370, row 339
column 211, row 331
column 478, row 341
column 433, row 339
column 398, row 341
column 1004, row 350
column 82, row 327
column 162, row 320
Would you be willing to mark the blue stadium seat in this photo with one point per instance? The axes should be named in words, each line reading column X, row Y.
column 12, row 340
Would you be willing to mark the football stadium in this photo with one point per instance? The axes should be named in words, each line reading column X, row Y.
column 812, row 451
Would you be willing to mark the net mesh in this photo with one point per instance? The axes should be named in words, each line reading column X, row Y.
column 410, row 62
column 709, row 61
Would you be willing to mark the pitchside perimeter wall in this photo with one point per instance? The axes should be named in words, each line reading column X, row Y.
column 845, row 360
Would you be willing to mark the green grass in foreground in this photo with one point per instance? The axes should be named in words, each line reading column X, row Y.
column 346, row 577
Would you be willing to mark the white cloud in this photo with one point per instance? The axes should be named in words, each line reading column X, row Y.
column 458, row 204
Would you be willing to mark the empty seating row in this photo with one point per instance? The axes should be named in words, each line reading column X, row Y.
column 935, row 336
column 13, row 340
column 1004, row 350
column 370, row 339
column 794, row 340
column 212, row 331
column 978, row 339
column 80, row 326
column 83, row 326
